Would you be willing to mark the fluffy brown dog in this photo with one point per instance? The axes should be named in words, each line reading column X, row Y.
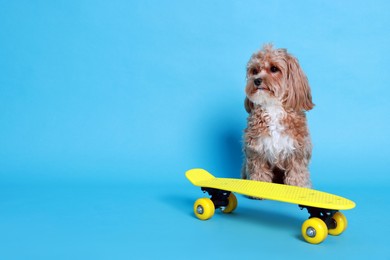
column 277, row 141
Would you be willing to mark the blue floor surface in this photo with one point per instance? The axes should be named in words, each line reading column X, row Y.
column 155, row 221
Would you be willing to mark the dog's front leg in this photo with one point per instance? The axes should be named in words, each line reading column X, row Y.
column 298, row 174
column 256, row 168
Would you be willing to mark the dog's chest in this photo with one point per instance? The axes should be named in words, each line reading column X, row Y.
column 272, row 140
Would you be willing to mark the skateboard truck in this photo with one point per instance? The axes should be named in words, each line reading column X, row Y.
column 220, row 198
column 325, row 215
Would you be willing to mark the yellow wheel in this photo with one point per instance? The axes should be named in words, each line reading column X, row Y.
column 204, row 208
column 341, row 224
column 314, row 230
column 232, row 204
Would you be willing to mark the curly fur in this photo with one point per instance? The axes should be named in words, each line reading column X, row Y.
column 277, row 143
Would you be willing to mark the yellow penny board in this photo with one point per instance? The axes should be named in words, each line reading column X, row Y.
column 270, row 191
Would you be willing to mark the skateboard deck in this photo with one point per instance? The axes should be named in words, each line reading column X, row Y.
column 323, row 207
column 271, row 191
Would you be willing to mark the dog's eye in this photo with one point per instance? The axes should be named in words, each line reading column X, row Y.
column 254, row 71
column 274, row 69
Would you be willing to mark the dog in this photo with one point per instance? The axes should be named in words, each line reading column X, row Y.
column 277, row 144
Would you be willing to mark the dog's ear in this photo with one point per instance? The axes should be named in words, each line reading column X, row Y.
column 248, row 105
column 298, row 94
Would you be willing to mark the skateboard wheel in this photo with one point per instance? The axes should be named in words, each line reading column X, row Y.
column 341, row 224
column 314, row 230
column 232, row 204
column 204, row 208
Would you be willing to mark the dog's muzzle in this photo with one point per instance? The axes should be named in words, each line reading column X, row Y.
column 257, row 82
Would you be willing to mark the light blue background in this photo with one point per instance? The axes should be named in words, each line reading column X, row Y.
column 105, row 104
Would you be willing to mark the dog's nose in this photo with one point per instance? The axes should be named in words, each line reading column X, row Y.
column 258, row 82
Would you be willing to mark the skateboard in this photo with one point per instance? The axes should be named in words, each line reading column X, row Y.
column 324, row 208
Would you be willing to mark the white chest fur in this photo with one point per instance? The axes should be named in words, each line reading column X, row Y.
column 276, row 144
